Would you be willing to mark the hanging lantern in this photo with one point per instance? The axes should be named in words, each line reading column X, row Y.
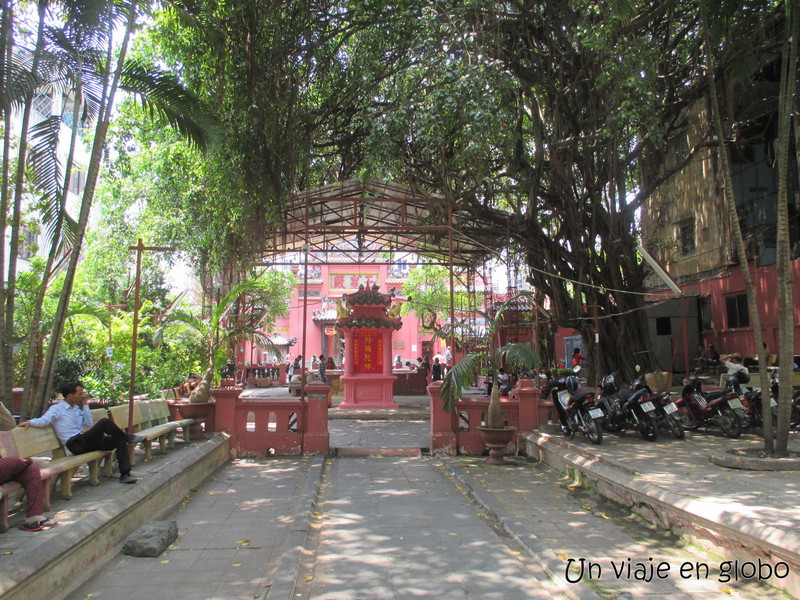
column 330, row 330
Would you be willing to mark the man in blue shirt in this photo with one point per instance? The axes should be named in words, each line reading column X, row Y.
column 72, row 414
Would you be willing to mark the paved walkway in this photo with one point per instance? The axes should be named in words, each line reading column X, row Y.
column 557, row 522
column 438, row 527
column 397, row 528
column 232, row 532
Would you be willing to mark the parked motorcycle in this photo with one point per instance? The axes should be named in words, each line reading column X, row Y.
column 628, row 409
column 719, row 408
column 665, row 409
column 753, row 415
column 577, row 410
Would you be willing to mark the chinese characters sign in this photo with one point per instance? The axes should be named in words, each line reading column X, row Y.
column 350, row 281
column 367, row 351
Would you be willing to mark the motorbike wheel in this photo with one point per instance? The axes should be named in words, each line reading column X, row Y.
column 729, row 422
column 611, row 427
column 593, row 431
column 648, row 429
column 686, row 419
column 675, row 427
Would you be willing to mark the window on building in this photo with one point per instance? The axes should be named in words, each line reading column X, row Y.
column 687, row 237
column 704, row 308
column 77, row 181
column 663, row 326
column 43, row 104
column 28, row 243
column 736, row 309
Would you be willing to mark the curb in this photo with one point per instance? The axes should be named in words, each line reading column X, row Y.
column 731, row 533
column 283, row 583
column 737, row 459
column 534, row 548
column 77, row 552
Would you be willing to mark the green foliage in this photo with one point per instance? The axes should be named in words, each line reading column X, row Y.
column 516, row 355
column 226, row 325
column 428, row 292
column 67, row 369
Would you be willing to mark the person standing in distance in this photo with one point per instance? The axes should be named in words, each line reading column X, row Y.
column 436, row 370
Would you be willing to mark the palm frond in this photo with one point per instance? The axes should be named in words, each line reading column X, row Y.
column 161, row 94
column 76, row 59
column 258, row 337
column 181, row 320
column 19, row 82
column 243, row 287
column 519, row 354
column 458, row 377
column 78, row 308
column 45, row 169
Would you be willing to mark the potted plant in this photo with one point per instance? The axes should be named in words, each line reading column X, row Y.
column 495, row 433
column 218, row 336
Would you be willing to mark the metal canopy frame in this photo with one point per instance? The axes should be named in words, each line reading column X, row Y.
column 356, row 222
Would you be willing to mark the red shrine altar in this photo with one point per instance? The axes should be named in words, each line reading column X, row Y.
column 367, row 329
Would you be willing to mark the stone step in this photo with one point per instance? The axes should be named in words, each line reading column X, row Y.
column 379, row 451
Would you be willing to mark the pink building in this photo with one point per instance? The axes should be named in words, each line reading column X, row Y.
column 315, row 318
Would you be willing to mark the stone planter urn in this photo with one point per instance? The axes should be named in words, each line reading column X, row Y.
column 497, row 441
column 201, row 412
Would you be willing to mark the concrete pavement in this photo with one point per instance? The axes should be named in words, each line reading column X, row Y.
column 409, row 525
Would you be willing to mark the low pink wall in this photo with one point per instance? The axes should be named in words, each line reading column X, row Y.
column 282, row 426
column 457, row 431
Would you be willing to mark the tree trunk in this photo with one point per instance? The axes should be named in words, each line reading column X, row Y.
column 101, row 129
column 736, row 230
column 16, row 217
column 34, row 362
column 784, row 266
column 202, row 392
column 6, row 52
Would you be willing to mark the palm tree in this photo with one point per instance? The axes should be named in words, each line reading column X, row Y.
column 511, row 355
column 216, row 336
column 84, row 62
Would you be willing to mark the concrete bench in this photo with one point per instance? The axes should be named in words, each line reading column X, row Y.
column 155, row 424
column 42, row 441
column 151, row 421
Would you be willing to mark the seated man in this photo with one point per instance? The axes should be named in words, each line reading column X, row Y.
column 192, row 381
column 25, row 472
column 72, row 414
column 503, row 381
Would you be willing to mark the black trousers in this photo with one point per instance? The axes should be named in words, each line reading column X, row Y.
column 104, row 435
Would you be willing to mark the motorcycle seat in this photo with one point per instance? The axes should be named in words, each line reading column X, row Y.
column 581, row 397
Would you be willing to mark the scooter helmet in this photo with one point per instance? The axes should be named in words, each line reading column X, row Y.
column 610, row 384
column 572, row 384
column 743, row 377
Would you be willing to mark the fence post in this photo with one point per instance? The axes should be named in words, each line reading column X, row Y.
column 444, row 425
column 316, row 438
column 528, row 396
column 225, row 417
